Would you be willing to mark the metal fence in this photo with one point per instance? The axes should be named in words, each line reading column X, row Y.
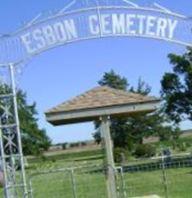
column 168, row 177
column 165, row 177
column 69, row 183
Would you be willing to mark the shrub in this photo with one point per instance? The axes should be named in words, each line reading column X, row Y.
column 74, row 144
column 84, row 143
column 120, row 155
column 64, row 146
column 145, row 150
column 44, row 158
column 53, row 160
column 182, row 146
column 188, row 144
column 165, row 134
column 174, row 144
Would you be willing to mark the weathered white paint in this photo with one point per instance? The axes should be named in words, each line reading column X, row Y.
column 59, row 32
column 49, row 35
column 133, row 24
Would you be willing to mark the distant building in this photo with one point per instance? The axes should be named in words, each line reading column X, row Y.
column 55, row 147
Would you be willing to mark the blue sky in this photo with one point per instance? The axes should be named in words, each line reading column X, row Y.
column 64, row 72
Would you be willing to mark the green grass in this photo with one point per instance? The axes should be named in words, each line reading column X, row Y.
column 92, row 184
column 76, row 156
column 148, row 183
column 55, row 185
column 85, row 158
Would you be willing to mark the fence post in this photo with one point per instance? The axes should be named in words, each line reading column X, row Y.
column 105, row 131
column 73, row 183
column 164, row 176
column 122, row 189
column 30, row 188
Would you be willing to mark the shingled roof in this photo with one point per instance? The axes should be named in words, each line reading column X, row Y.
column 99, row 98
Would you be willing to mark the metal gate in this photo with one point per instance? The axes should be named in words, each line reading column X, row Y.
column 69, row 183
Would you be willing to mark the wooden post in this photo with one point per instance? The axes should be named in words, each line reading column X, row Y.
column 105, row 132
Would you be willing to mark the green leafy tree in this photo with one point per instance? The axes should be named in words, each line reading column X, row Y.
column 113, row 80
column 34, row 139
column 142, row 88
column 177, row 87
column 130, row 131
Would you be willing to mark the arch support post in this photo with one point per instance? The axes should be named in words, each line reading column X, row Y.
column 110, row 165
column 11, row 158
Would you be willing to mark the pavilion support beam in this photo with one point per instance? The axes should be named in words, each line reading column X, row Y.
column 110, row 176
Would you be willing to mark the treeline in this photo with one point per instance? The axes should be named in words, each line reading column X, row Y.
column 176, row 92
column 67, row 145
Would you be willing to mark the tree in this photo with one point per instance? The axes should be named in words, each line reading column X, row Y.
column 129, row 131
column 177, row 87
column 34, row 140
column 142, row 88
column 114, row 80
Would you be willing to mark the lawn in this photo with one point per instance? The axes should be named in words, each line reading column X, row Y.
column 148, row 183
column 61, row 184
column 90, row 183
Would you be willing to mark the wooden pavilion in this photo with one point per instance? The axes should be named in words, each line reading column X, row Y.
column 102, row 103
